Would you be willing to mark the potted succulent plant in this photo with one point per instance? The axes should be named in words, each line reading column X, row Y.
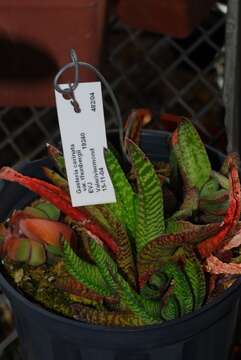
column 177, row 18
column 152, row 275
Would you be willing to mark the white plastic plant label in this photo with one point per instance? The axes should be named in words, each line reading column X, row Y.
column 84, row 139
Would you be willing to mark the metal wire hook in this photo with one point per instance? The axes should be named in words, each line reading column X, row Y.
column 70, row 90
column 74, row 85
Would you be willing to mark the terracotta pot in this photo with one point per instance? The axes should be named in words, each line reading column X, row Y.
column 176, row 18
column 35, row 39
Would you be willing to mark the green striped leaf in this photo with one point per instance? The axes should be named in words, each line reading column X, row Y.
column 191, row 155
column 211, row 186
column 124, row 258
column 195, row 274
column 84, row 272
column 222, row 180
column 170, row 309
column 181, row 287
column 146, row 311
column 104, row 261
column 125, row 208
column 150, row 215
column 105, row 317
column 159, row 250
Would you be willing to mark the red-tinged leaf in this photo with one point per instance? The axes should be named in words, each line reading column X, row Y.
column 16, row 249
column 16, row 216
column 136, row 120
column 58, row 158
column 56, row 179
column 170, row 122
column 58, row 198
column 217, row 267
column 159, row 250
column 234, row 242
column 37, row 255
column 46, row 231
column 3, row 234
column 73, row 287
column 231, row 218
column 105, row 317
column 232, row 157
column 24, row 250
column 191, row 198
column 3, row 230
column 191, row 155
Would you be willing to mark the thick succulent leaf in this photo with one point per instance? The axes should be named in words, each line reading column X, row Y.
column 52, row 212
column 46, row 231
column 211, row 186
column 56, row 179
column 150, row 214
column 105, row 317
column 24, row 250
column 210, row 218
column 214, row 197
column 32, row 212
column 140, row 307
column 37, row 255
column 154, row 252
column 54, row 250
column 215, row 209
column 215, row 203
column 195, row 274
column 126, row 198
column 155, row 286
column 72, row 286
column 146, row 311
column 87, row 274
column 191, row 155
column 234, row 241
column 183, row 214
column 231, row 157
column 191, row 198
column 174, row 227
column 231, row 218
column 136, row 120
column 181, row 287
column 78, row 291
column 103, row 262
column 61, row 200
column 124, row 258
column 217, row 267
column 58, row 159
column 43, row 210
column 97, row 212
column 222, row 180
column 170, row 309
column 189, row 204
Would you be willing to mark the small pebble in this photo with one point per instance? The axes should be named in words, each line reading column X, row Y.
column 18, row 275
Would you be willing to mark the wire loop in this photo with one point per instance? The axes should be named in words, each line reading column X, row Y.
column 73, row 86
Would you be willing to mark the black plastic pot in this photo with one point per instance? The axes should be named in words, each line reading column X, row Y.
column 203, row 335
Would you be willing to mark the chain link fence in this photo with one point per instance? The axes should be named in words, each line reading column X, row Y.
column 183, row 77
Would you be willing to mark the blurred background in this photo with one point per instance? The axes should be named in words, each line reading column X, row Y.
column 169, row 56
